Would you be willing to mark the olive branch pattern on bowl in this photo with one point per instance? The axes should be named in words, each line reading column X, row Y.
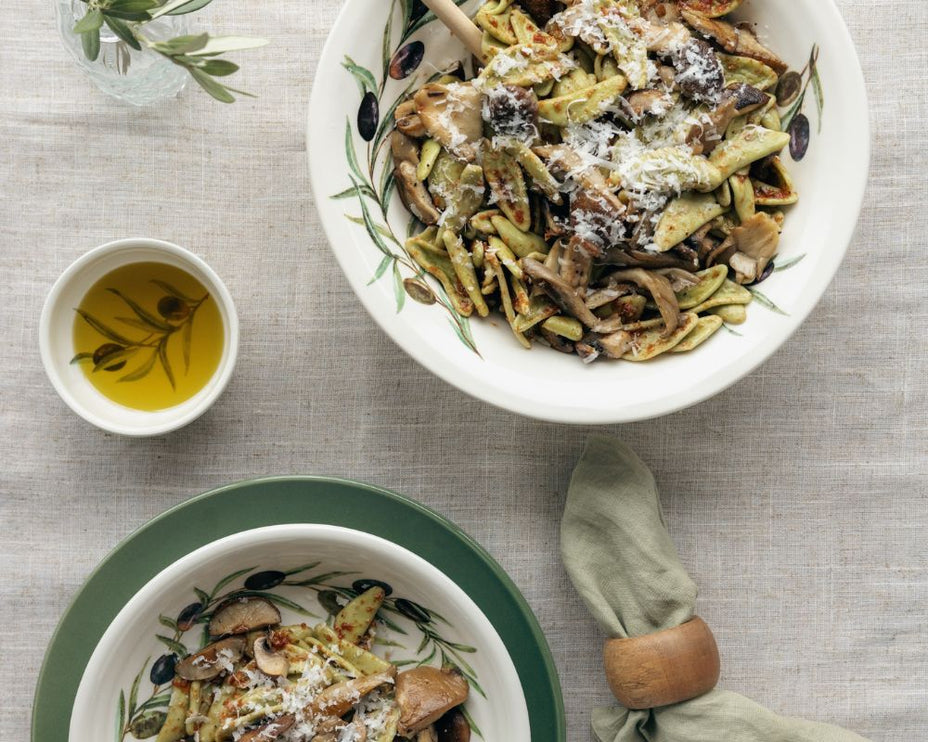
column 371, row 176
column 188, row 632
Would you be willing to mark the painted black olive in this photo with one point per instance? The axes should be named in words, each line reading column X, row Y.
column 163, row 670
column 329, row 599
column 188, row 616
column 107, row 349
column 799, row 136
column 362, row 586
column 170, row 307
column 421, row 293
column 413, row 611
column 147, row 724
column 265, row 580
column 407, row 60
column 788, row 88
column 368, row 116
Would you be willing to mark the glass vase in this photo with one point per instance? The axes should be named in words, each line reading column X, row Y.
column 141, row 78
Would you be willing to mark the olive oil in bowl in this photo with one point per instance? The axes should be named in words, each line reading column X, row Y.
column 148, row 335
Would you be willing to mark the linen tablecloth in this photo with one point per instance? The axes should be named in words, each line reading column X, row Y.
column 797, row 499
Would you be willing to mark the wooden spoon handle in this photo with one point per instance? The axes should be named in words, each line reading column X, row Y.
column 459, row 24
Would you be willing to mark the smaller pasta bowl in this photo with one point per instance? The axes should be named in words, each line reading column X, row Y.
column 288, row 630
column 665, row 190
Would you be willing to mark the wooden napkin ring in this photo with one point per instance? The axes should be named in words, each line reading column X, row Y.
column 666, row 667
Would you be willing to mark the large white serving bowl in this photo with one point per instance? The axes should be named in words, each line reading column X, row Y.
column 541, row 383
column 130, row 647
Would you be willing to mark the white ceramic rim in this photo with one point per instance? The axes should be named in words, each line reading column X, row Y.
column 136, row 608
column 184, row 413
column 474, row 383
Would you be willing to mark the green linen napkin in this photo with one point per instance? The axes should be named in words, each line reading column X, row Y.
column 619, row 555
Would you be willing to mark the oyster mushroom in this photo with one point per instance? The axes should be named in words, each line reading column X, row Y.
column 425, row 694
column 560, row 291
column 512, row 111
column 408, row 121
column 451, row 115
column 412, row 191
column 734, row 40
column 660, row 288
column 211, row 660
column 736, row 100
column 700, row 75
column 648, row 103
column 755, row 242
column 270, row 731
column 269, row 662
column 241, row 615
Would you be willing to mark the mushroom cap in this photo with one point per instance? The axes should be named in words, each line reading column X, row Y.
column 269, row 662
column 211, row 660
column 425, row 694
column 241, row 615
column 269, row 731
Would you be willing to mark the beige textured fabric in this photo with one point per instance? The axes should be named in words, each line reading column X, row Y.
column 797, row 499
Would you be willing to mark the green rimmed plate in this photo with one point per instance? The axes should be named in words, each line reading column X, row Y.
column 266, row 502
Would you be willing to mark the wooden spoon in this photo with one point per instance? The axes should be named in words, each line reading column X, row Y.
column 459, row 24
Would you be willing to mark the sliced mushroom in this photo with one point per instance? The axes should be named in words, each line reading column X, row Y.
column 427, row 735
column 567, row 163
column 615, row 345
column 412, row 191
column 756, row 242
column 452, row 115
column 648, row 103
column 338, row 699
column 270, row 731
column 408, row 121
column 560, row 291
column 241, row 615
column 211, row 660
column 737, row 99
column 734, row 40
column 700, row 74
column 269, row 662
column 512, row 111
column 712, row 8
column 659, row 288
column 425, row 694
column 453, row 727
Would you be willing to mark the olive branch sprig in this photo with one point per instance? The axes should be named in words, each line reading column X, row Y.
column 195, row 53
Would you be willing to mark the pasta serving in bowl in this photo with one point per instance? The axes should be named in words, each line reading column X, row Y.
column 612, row 179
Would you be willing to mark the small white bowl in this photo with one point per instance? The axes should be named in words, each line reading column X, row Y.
column 56, row 343
column 131, row 647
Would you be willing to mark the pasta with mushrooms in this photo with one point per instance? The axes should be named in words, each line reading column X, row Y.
column 609, row 179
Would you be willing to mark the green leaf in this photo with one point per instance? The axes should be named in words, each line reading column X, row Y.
column 764, row 301
column 222, row 44
column 387, row 121
column 278, row 600
column 352, row 156
column 132, row 6
column 105, row 330
column 180, row 7
column 134, row 322
column 155, row 701
column 352, row 192
column 381, row 269
column 384, row 231
column 385, row 43
column 156, row 323
column 165, row 363
column 363, row 76
column 219, row 67
column 817, row 85
column 320, row 579
column 789, row 263
column 212, row 87
column 187, row 339
column 92, row 21
column 82, row 357
column 399, row 291
column 372, row 230
column 225, row 581
column 182, row 44
column 142, row 371
column 461, row 327
column 470, row 721
column 113, row 358
column 204, row 597
column 121, row 717
column 134, row 693
column 168, row 622
column 90, row 41
column 175, row 646
column 123, row 31
column 170, row 289
column 302, row 568
column 729, row 328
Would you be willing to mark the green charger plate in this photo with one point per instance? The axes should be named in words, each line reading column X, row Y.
column 265, row 502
